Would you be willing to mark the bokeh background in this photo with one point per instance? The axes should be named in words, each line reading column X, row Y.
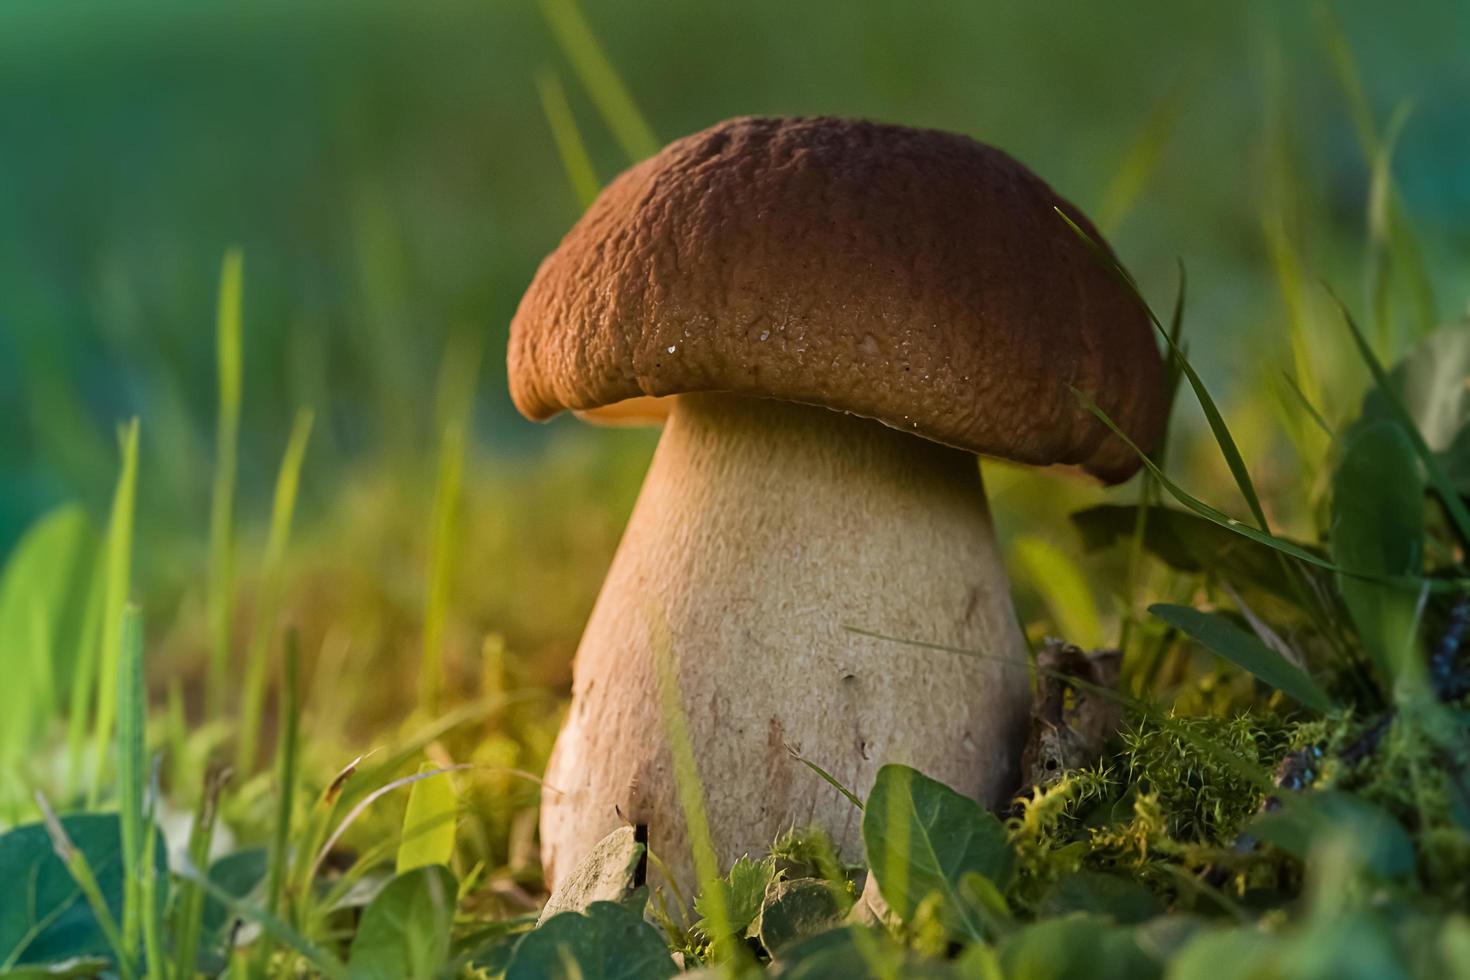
column 389, row 172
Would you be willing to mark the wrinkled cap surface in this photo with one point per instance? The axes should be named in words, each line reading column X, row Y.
column 911, row 276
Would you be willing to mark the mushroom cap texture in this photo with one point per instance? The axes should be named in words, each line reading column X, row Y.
column 915, row 277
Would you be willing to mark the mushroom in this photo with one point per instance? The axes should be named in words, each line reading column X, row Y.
column 845, row 313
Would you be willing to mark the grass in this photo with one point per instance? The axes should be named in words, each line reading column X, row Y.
column 222, row 503
column 116, row 578
column 257, row 658
column 1290, row 782
column 286, row 779
column 456, row 397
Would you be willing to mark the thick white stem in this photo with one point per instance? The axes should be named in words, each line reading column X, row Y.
column 764, row 531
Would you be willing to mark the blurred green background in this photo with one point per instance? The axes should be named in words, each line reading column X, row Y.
column 389, row 172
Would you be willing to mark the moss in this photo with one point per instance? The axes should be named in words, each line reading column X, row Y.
column 1199, row 770
column 1047, row 833
column 1171, row 797
column 809, row 852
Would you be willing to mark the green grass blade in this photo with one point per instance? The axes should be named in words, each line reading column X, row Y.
column 188, row 908
column 455, row 399
column 1438, row 478
column 1406, row 254
column 1349, row 79
column 600, row 79
column 152, row 913
column 1148, row 492
column 131, row 777
column 1377, row 267
column 691, row 796
column 118, row 559
column 459, row 371
column 1216, row 421
column 42, row 655
column 1282, row 201
column 1246, row 652
column 1409, row 257
column 1301, row 398
column 569, row 145
column 1142, row 158
column 826, row 776
column 220, row 602
column 1287, row 266
column 1399, row 244
column 1173, row 375
column 1209, row 513
column 288, row 481
column 176, row 748
column 287, row 750
column 280, row 932
column 84, row 682
column 80, row 869
column 441, row 566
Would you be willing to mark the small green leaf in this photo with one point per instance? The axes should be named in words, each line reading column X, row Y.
column 1378, row 527
column 490, row 948
column 1245, row 651
column 428, row 823
column 795, row 909
column 922, row 837
column 404, row 934
column 1305, row 818
column 744, row 889
column 607, row 942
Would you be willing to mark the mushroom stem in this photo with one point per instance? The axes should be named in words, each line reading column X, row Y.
column 763, row 531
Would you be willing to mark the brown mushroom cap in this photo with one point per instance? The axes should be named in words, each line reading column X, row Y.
column 911, row 276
